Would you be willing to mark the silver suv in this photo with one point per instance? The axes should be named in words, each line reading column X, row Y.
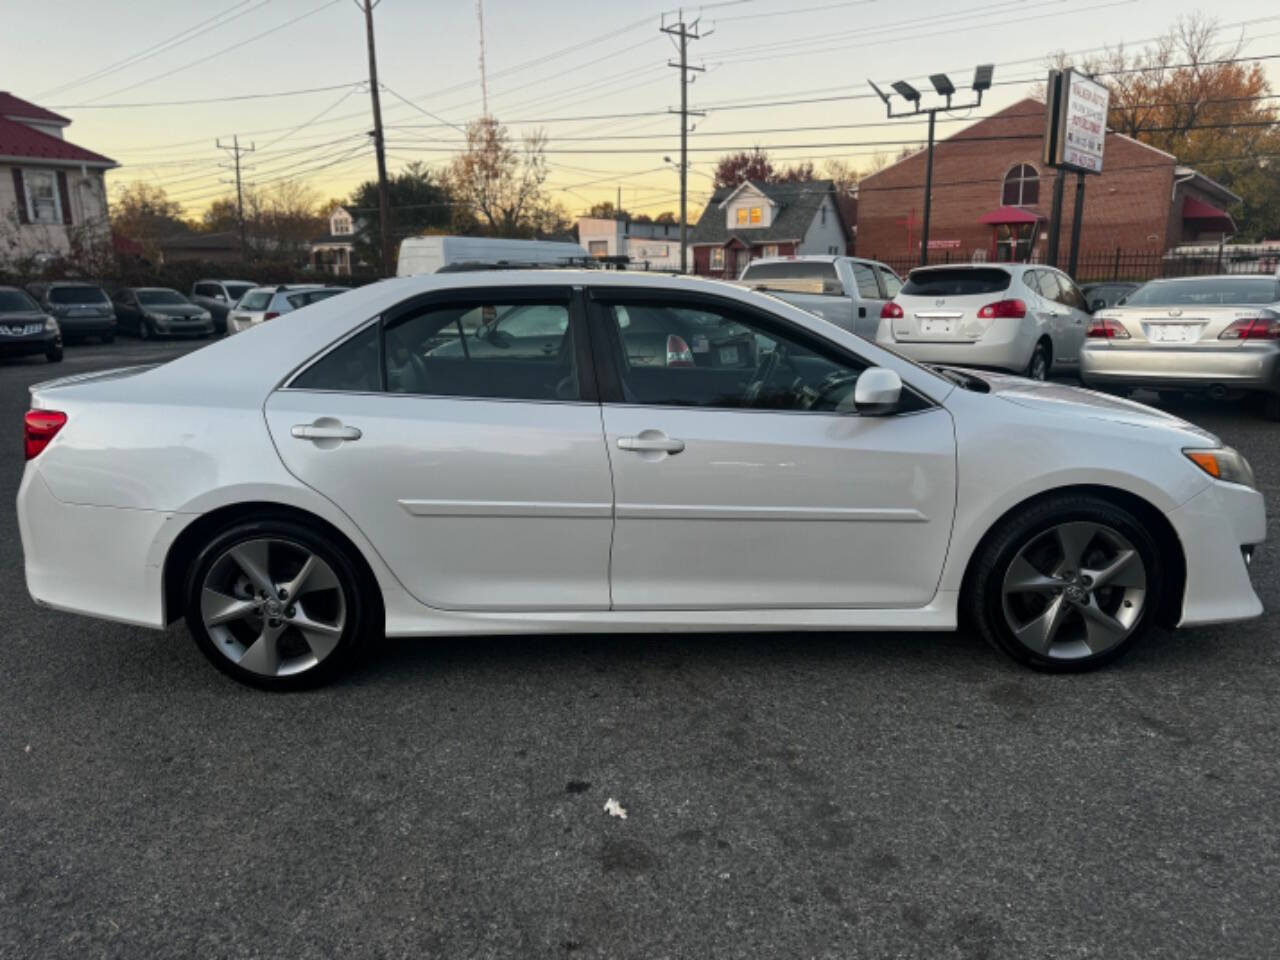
column 265, row 303
column 1022, row 318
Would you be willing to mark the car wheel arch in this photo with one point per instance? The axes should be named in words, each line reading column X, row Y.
column 188, row 544
column 1161, row 529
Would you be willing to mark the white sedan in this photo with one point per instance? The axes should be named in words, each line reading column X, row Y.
column 584, row 451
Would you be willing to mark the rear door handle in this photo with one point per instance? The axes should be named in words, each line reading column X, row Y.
column 651, row 444
column 310, row 431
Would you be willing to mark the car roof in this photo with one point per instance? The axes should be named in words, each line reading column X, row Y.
column 984, row 266
column 1218, row 276
column 72, row 283
column 216, row 280
column 154, row 290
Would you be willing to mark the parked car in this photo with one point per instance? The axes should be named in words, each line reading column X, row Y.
column 81, row 309
column 218, row 297
column 148, row 312
column 846, row 291
column 431, row 254
column 293, row 500
column 267, row 303
column 1022, row 318
column 1218, row 335
column 1099, row 296
column 25, row 329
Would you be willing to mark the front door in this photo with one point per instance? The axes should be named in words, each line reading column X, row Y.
column 744, row 477
column 470, row 454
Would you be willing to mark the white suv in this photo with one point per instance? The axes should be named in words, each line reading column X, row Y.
column 1024, row 318
column 266, row 303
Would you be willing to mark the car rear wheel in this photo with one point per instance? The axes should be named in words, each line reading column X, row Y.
column 1068, row 585
column 277, row 605
column 1038, row 368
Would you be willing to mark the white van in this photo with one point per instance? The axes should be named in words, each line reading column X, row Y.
column 432, row 254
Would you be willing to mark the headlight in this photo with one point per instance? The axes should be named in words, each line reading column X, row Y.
column 51, row 324
column 1223, row 463
column 205, row 316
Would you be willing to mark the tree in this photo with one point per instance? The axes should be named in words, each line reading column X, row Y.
column 501, row 188
column 735, row 168
column 421, row 203
column 666, row 216
column 221, row 216
column 1178, row 95
column 143, row 214
column 607, row 211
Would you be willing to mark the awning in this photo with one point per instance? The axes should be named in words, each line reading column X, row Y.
column 1206, row 215
column 1012, row 215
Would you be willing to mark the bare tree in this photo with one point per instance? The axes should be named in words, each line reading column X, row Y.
column 501, row 186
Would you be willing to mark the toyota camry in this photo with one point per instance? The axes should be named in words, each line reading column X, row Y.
column 521, row 452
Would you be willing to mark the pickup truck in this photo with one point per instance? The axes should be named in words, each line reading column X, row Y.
column 846, row 291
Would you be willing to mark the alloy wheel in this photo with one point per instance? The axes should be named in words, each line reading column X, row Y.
column 1075, row 590
column 273, row 607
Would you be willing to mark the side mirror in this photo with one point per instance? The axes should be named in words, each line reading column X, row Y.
column 1096, row 305
column 877, row 392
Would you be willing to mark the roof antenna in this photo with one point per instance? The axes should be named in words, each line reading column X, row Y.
column 484, row 87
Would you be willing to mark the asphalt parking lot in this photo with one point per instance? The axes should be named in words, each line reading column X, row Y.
column 793, row 796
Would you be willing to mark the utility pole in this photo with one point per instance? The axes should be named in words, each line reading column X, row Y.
column 384, row 192
column 236, row 150
column 684, row 32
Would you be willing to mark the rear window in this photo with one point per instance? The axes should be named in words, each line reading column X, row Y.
column 77, row 295
column 814, row 271
column 16, row 300
column 257, row 300
column 955, row 283
column 297, row 300
column 1210, row 291
column 237, row 290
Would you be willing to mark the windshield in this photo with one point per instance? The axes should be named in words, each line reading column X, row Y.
column 162, row 298
column 955, row 282
column 237, row 290
column 77, row 295
column 1211, row 291
column 15, row 301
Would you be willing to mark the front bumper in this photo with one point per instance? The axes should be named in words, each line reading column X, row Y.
column 1214, row 526
column 183, row 328
column 1245, row 366
column 27, row 346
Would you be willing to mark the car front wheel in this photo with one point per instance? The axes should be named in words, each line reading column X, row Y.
column 54, row 354
column 1067, row 585
column 276, row 604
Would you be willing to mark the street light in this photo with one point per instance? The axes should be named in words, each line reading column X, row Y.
column 943, row 86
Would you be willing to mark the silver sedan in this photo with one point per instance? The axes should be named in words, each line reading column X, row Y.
column 1219, row 335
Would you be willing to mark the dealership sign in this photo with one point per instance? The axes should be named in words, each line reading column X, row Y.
column 1075, row 122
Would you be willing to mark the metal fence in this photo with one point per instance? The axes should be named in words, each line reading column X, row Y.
column 1137, row 265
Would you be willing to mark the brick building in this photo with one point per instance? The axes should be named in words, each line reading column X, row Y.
column 992, row 196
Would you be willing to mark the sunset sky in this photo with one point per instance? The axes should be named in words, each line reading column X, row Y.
column 593, row 76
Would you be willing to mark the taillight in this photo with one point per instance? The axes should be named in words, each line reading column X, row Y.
column 891, row 311
column 1264, row 327
column 1004, row 309
column 1106, row 329
column 39, row 428
column 271, row 315
column 678, row 352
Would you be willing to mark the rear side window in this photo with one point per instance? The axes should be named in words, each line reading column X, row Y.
column 941, row 282
column 822, row 277
column 257, row 300
column 865, row 278
column 351, row 367
column 892, row 285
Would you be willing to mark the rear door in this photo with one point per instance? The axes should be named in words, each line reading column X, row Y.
column 481, row 478
column 941, row 304
column 756, row 485
column 871, row 299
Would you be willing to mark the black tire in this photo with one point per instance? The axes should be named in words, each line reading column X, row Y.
column 54, row 354
column 109, row 337
column 984, row 600
column 1271, row 406
column 1041, row 363
column 361, row 604
column 144, row 330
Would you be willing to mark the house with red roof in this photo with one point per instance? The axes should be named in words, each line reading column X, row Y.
column 52, row 192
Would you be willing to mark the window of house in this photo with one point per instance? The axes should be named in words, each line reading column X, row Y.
column 42, row 196
column 1021, row 186
column 822, row 213
column 598, row 248
column 341, row 225
column 770, row 250
column 743, row 214
column 757, row 214
column 717, row 258
column 672, row 353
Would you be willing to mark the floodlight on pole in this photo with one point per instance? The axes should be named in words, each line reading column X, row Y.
column 906, row 91
column 982, row 78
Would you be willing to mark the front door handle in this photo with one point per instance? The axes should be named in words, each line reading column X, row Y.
column 318, row 431
column 660, row 444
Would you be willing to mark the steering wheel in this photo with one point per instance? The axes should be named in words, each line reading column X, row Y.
column 764, row 372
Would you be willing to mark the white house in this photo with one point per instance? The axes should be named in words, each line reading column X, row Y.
column 335, row 252
column 648, row 246
column 53, row 194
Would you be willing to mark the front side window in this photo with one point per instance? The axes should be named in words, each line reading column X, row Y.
column 1021, row 186
column 670, row 353
column 42, row 197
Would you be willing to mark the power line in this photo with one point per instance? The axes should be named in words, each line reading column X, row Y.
column 228, row 99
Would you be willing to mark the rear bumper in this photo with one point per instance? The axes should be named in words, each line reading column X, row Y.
column 1213, row 527
column 1246, row 366
column 181, row 329
column 1008, row 356
column 86, row 326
